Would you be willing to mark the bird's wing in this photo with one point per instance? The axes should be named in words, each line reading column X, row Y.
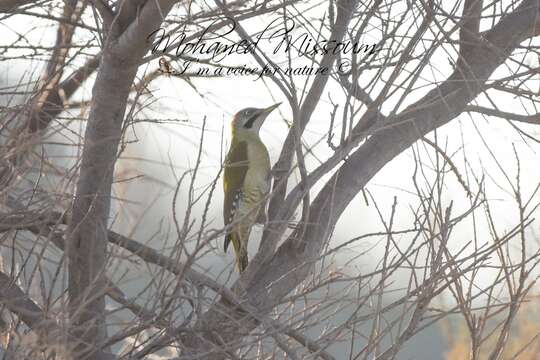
column 236, row 166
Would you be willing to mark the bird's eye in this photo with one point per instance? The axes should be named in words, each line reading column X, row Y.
column 247, row 112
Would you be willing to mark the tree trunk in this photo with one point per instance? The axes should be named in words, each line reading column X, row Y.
column 87, row 246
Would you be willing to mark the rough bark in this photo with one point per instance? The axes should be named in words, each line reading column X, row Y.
column 87, row 241
column 88, row 233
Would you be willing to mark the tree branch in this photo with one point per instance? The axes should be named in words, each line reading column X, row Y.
column 290, row 265
column 7, row 6
column 20, row 304
column 529, row 119
column 87, row 231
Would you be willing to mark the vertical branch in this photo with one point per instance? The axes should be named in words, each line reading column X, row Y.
column 346, row 9
column 468, row 34
column 51, row 95
column 87, row 245
column 49, row 98
column 87, row 241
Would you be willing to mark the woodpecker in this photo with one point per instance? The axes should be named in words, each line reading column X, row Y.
column 246, row 180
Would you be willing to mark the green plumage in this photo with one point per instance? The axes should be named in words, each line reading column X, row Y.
column 246, row 181
column 236, row 166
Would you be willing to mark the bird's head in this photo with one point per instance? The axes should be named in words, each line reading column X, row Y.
column 251, row 119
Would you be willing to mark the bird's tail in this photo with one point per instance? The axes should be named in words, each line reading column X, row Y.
column 239, row 250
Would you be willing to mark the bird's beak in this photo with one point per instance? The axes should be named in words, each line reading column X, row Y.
column 269, row 109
